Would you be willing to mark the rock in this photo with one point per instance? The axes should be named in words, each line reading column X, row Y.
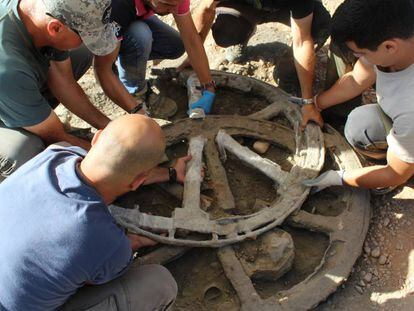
column 368, row 277
column 359, row 289
column 367, row 250
column 382, row 260
column 386, row 222
column 399, row 246
column 376, row 252
column 261, row 146
column 273, row 256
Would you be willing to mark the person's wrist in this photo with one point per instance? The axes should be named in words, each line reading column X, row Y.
column 209, row 86
column 211, row 89
column 316, row 103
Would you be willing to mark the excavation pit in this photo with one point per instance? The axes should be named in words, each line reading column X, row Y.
column 209, row 245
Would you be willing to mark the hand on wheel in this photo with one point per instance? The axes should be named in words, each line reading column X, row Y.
column 327, row 179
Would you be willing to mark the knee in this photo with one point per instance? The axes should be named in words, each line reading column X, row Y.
column 167, row 286
column 139, row 38
column 23, row 147
column 161, row 286
column 179, row 48
column 356, row 128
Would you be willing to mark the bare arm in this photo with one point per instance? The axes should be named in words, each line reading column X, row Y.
column 348, row 86
column 51, row 131
column 194, row 47
column 64, row 86
column 303, row 53
column 395, row 173
column 110, row 82
column 204, row 17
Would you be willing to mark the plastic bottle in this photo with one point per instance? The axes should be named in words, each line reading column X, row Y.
column 194, row 94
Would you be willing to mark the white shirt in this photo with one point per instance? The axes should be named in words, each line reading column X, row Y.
column 395, row 94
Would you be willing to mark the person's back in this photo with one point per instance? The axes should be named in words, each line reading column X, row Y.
column 56, row 234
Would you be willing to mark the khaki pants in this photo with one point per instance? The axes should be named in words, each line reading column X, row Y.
column 142, row 287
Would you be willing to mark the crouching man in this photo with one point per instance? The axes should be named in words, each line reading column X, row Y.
column 60, row 247
column 41, row 57
column 143, row 36
column 381, row 34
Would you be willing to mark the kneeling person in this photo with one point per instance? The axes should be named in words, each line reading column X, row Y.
column 381, row 34
column 67, row 237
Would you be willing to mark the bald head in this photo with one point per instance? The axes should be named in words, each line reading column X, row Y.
column 128, row 146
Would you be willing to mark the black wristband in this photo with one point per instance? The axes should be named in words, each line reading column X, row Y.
column 137, row 108
column 172, row 174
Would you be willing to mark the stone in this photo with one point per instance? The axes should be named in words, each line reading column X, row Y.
column 367, row 250
column 399, row 246
column 376, row 252
column 359, row 289
column 368, row 277
column 382, row 260
column 386, row 222
column 261, row 146
column 269, row 259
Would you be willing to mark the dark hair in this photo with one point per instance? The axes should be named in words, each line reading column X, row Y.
column 368, row 23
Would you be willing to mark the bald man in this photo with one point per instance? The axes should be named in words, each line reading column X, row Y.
column 68, row 239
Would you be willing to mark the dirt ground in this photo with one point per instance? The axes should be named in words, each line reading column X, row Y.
column 383, row 277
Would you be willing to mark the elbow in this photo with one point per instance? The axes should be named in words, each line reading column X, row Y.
column 397, row 179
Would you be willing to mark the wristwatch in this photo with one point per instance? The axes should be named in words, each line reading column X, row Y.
column 307, row 101
column 172, row 174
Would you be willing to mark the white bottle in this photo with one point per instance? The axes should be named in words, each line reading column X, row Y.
column 194, row 94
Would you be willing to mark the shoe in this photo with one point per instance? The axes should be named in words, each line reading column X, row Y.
column 154, row 104
column 235, row 52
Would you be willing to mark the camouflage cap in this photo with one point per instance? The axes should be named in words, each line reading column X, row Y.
column 90, row 19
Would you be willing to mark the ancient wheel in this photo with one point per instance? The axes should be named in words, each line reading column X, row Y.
column 191, row 226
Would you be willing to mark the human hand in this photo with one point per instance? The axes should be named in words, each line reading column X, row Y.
column 310, row 113
column 180, row 167
column 327, row 179
column 138, row 241
column 205, row 102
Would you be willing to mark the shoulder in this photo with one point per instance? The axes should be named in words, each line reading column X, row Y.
column 184, row 7
column 16, row 74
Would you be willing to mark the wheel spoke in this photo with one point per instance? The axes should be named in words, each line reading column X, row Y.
column 271, row 111
column 316, row 223
column 249, row 298
column 265, row 166
column 222, row 191
column 192, row 184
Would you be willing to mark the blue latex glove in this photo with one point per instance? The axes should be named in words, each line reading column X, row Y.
column 205, row 102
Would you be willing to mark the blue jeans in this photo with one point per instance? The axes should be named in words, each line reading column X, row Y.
column 145, row 40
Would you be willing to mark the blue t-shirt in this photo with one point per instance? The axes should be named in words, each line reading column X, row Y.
column 56, row 234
